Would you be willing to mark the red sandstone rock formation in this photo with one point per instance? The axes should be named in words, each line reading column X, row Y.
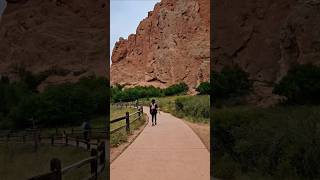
column 62, row 34
column 171, row 45
column 265, row 38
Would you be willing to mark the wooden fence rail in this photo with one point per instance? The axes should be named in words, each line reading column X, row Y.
column 126, row 104
column 97, row 161
column 129, row 119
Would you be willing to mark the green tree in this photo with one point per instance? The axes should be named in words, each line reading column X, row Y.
column 301, row 85
column 204, row 88
column 175, row 89
column 230, row 82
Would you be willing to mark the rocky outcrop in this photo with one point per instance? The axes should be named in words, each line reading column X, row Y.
column 63, row 34
column 265, row 38
column 171, row 45
column 300, row 38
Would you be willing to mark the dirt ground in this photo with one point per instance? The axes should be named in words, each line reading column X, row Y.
column 116, row 151
column 202, row 130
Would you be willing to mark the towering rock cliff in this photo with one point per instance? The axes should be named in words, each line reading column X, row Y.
column 265, row 38
column 66, row 36
column 171, row 45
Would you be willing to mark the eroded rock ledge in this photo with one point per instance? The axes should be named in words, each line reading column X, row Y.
column 171, row 45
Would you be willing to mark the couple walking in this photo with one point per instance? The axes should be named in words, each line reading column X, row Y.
column 154, row 111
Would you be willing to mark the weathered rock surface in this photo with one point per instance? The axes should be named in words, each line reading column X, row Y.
column 171, row 45
column 63, row 34
column 266, row 38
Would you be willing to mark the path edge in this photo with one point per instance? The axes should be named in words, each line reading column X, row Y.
column 147, row 119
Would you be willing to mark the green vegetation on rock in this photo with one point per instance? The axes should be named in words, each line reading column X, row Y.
column 301, row 85
column 231, row 82
column 118, row 93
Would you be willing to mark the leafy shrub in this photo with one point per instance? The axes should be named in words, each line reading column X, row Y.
column 130, row 94
column 193, row 106
column 119, row 93
column 11, row 95
column 301, row 85
column 274, row 143
column 230, row 82
column 57, row 105
column 204, row 88
column 176, row 89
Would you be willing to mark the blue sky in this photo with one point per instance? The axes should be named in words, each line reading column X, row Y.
column 125, row 16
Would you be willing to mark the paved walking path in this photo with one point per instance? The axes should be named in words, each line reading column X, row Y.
column 168, row 151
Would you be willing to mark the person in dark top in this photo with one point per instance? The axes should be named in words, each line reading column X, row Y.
column 153, row 111
column 86, row 129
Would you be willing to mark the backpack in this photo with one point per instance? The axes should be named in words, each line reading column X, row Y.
column 86, row 125
column 153, row 106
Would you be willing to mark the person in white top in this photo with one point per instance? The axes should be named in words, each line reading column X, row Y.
column 153, row 112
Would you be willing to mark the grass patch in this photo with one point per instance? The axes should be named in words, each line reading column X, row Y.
column 191, row 108
column 121, row 136
column 273, row 143
column 116, row 112
column 19, row 161
column 98, row 122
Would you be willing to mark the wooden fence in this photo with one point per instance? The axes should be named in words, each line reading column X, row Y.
column 35, row 135
column 129, row 119
column 126, row 104
column 97, row 162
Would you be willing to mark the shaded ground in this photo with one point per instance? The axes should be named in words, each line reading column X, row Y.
column 19, row 161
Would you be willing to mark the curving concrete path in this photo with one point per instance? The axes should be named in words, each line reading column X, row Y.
column 168, row 151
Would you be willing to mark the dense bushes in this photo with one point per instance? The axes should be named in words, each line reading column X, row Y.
column 118, row 93
column 176, row 89
column 204, row 88
column 197, row 107
column 64, row 104
column 230, row 82
column 276, row 143
column 131, row 94
column 301, row 85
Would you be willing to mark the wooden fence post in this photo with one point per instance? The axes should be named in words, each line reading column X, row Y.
column 39, row 136
column 77, row 141
column 55, row 166
column 94, row 163
column 35, row 138
column 66, row 139
column 139, row 113
column 88, row 145
column 127, row 122
column 102, row 158
column 52, row 140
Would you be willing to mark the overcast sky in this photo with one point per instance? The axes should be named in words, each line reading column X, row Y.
column 125, row 16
